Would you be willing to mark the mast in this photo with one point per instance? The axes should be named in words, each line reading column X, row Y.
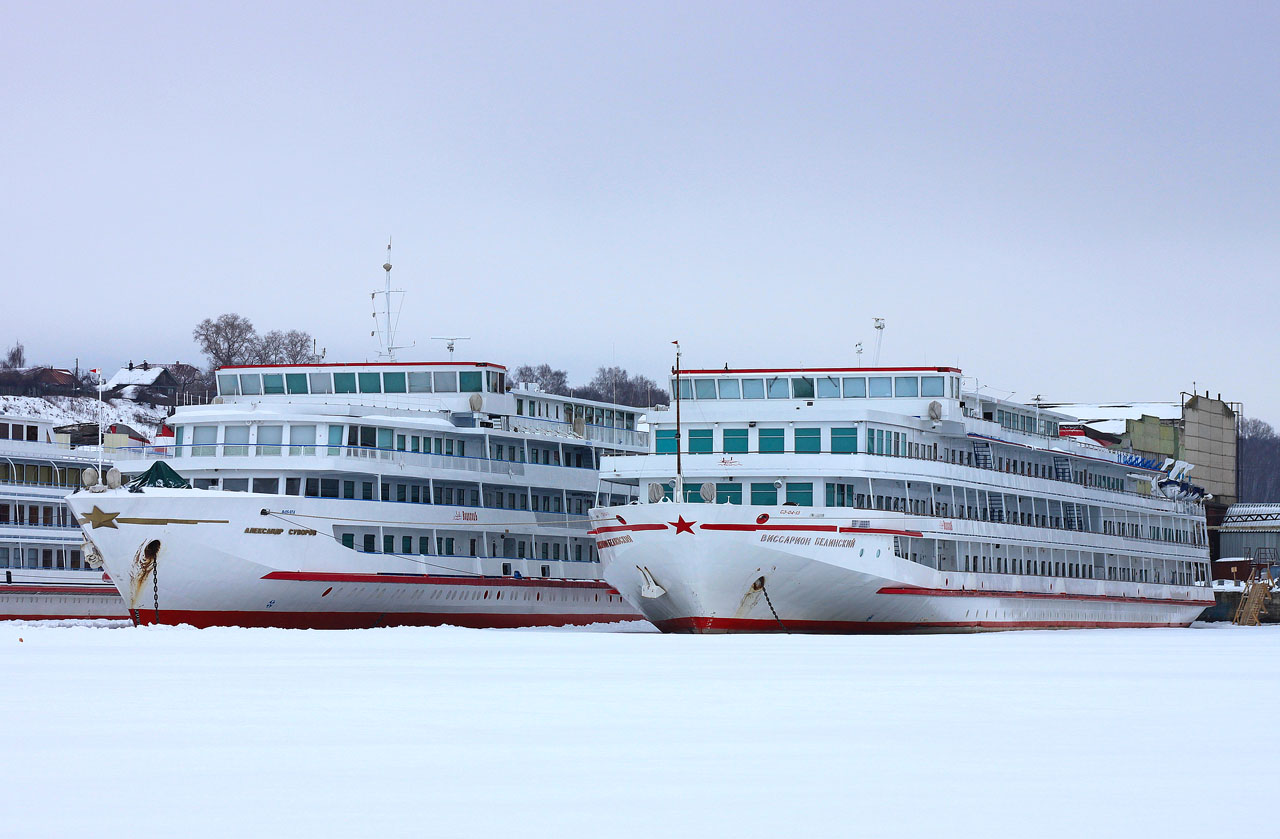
column 679, row 432
column 388, row 328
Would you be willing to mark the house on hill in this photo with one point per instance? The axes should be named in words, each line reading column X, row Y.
column 37, row 381
column 143, row 383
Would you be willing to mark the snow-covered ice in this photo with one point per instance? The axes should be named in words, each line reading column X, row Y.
column 112, row 731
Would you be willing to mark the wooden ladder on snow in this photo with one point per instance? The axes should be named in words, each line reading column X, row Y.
column 1257, row 591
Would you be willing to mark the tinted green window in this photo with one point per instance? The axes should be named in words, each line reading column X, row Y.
column 370, row 383
column 779, row 389
column 906, row 386
column 344, row 382
column 764, row 494
column 704, row 388
column 855, row 388
column 808, row 440
column 879, row 386
column 470, row 381
column 772, row 439
column 932, row 386
column 753, row 388
column 828, row 387
column 700, row 441
column 801, row 494
column 666, row 441
column 693, row 494
column 802, row 388
column 388, row 544
column 735, row 440
column 335, row 438
column 384, row 438
column 273, row 383
column 393, row 383
column 844, row 440
column 348, row 540
column 729, row 493
column 296, row 382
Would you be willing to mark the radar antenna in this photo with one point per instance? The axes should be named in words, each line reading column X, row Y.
column 385, row 331
column 450, row 342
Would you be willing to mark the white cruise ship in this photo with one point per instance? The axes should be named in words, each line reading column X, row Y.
column 360, row 495
column 44, row 574
column 891, row 500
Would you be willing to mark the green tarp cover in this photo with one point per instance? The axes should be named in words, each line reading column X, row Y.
column 160, row 474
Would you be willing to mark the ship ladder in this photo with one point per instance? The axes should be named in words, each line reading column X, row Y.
column 1256, row 596
column 982, row 454
column 1062, row 468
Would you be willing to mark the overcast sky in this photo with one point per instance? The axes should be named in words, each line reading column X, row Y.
column 1078, row 200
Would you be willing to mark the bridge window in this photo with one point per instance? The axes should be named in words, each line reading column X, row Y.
column 880, row 386
column 296, row 382
column 802, row 388
column 753, row 388
column 932, row 386
column 273, row 383
column 704, row 388
column 828, row 387
column 907, row 386
column 344, row 382
column 779, row 389
column 470, row 381
column 855, row 388
column 227, row 386
column 393, row 383
column 320, row 382
column 419, row 382
column 446, row 382
column 371, row 383
column 250, row 384
column 729, row 389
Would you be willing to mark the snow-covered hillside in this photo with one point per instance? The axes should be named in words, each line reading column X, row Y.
column 65, row 410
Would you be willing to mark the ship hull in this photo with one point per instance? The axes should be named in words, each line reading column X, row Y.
column 208, row 558
column 726, row 568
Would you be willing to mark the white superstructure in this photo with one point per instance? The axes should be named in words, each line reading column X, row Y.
column 893, row 499
column 345, row 495
column 43, row 571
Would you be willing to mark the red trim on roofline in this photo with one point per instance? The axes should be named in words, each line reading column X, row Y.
column 370, row 364
column 822, row 370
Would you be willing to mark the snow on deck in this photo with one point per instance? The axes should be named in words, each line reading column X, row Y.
column 452, row 732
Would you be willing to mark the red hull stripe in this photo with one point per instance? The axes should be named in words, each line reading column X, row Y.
column 1039, row 595
column 82, row 617
column 700, row 625
column 371, row 620
column 436, row 580
column 621, row 527
column 813, row 528
column 104, row 591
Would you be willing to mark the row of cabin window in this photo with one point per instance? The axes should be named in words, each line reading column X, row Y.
column 1015, row 421
column 590, row 414
column 19, row 431
column 774, row 440
column 44, row 558
column 821, row 387
column 33, row 515
column 403, row 493
column 446, row 381
column 38, row 475
column 448, row 546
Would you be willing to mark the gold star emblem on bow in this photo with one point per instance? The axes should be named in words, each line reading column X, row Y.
column 97, row 518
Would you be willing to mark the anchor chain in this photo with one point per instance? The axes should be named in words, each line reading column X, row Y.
column 765, row 589
column 155, row 588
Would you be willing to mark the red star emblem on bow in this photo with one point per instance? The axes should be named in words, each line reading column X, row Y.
column 682, row 526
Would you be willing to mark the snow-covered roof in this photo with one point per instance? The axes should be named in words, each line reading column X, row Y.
column 136, row 376
column 1116, row 412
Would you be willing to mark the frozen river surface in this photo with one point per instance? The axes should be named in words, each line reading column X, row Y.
column 451, row 732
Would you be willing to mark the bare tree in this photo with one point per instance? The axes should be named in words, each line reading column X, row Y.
column 543, row 375
column 1258, row 459
column 297, row 347
column 15, row 357
column 614, row 384
column 231, row 339
column 269, row 348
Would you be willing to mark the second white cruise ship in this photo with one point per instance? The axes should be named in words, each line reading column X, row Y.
column 892, row 499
